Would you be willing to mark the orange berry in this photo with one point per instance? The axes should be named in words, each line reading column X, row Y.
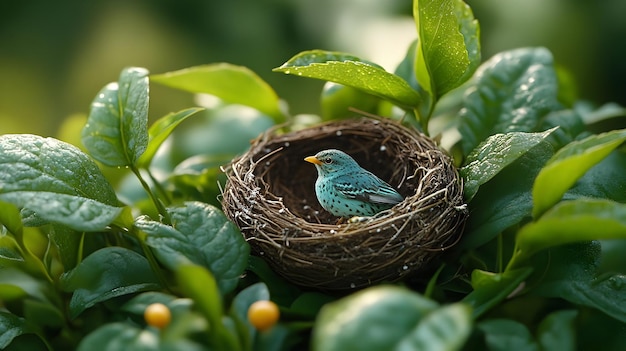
column 263, row 314
column 157, row 315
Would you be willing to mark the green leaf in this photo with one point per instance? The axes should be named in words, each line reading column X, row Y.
column 507, row 335
column 446, row 328
column 492, row 288
column 569, row 164
column 12, row 326
column 448, row 50
column 282, row 292
column 198, row 284
column 568, row 222
column 605, row 180
column 308, row 304
column 120, row 336
column 494, row 154
column 233, row 84
column 239, row 311
column 498, row 205
column 68, row 242
column 337, row 100
column 377, row 318
column 138, row 304
column 573, row 276
column 10, row 218
column 557, row 332
column 161, row 130
column 511, row 92
column 16, row 284
column 352, row 71
column 200, row 234
column 56, row 181
column 107, row 273
column 116, row 132
column 127, row 336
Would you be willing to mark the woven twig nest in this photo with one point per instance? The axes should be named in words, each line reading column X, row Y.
column 270, row 195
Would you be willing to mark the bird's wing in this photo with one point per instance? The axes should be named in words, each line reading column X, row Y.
column 369, row 188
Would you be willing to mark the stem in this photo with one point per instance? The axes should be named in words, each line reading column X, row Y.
column 157, row 203
column 151, row 259
column 159, row 188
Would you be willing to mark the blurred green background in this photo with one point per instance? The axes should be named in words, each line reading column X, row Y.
column 56, row 55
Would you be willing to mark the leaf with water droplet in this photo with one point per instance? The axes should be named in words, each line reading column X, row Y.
column 448, row 49
column 201, row 234
column 495, row 102
column 116, row 132
column 354, row 72
column 493, row 155
column 56, row 181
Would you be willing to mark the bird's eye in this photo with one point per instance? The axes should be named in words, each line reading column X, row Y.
column 328, row 160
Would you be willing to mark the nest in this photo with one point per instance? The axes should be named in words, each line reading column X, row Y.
column 270, row 195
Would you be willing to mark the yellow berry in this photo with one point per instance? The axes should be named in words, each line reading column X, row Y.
column 157, row 315
column 263, row 314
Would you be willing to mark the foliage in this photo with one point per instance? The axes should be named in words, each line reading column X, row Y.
column 538, row 266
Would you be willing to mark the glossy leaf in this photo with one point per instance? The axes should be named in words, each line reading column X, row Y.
column 448, row 50
column 493, row 155
column 511, row 92
column 198, row 284
column 568, row 222
column 200, row 234
column 498, row 205
column 507, row 335
column 557, row 331
column 569, row 164
column 573, row 276
column 352, row 71
column 444, row 329
column 116, row 132
column 56, row 181
column 492, row 288
column 107, row 273
column 160, row 131
column 127, row 336
column 373, row 319
column 605, row 180
column 68, row 242
column 12, row 326
column 233, row 84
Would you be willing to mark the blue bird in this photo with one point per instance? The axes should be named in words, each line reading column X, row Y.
column 345, row 189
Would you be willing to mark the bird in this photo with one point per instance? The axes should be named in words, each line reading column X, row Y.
column 345, row 189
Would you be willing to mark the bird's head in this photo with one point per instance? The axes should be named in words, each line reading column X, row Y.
column 332, row 160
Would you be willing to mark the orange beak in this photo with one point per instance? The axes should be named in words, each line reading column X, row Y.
column 313, row 159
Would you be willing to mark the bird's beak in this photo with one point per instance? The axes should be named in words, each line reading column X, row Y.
column 313, row 159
